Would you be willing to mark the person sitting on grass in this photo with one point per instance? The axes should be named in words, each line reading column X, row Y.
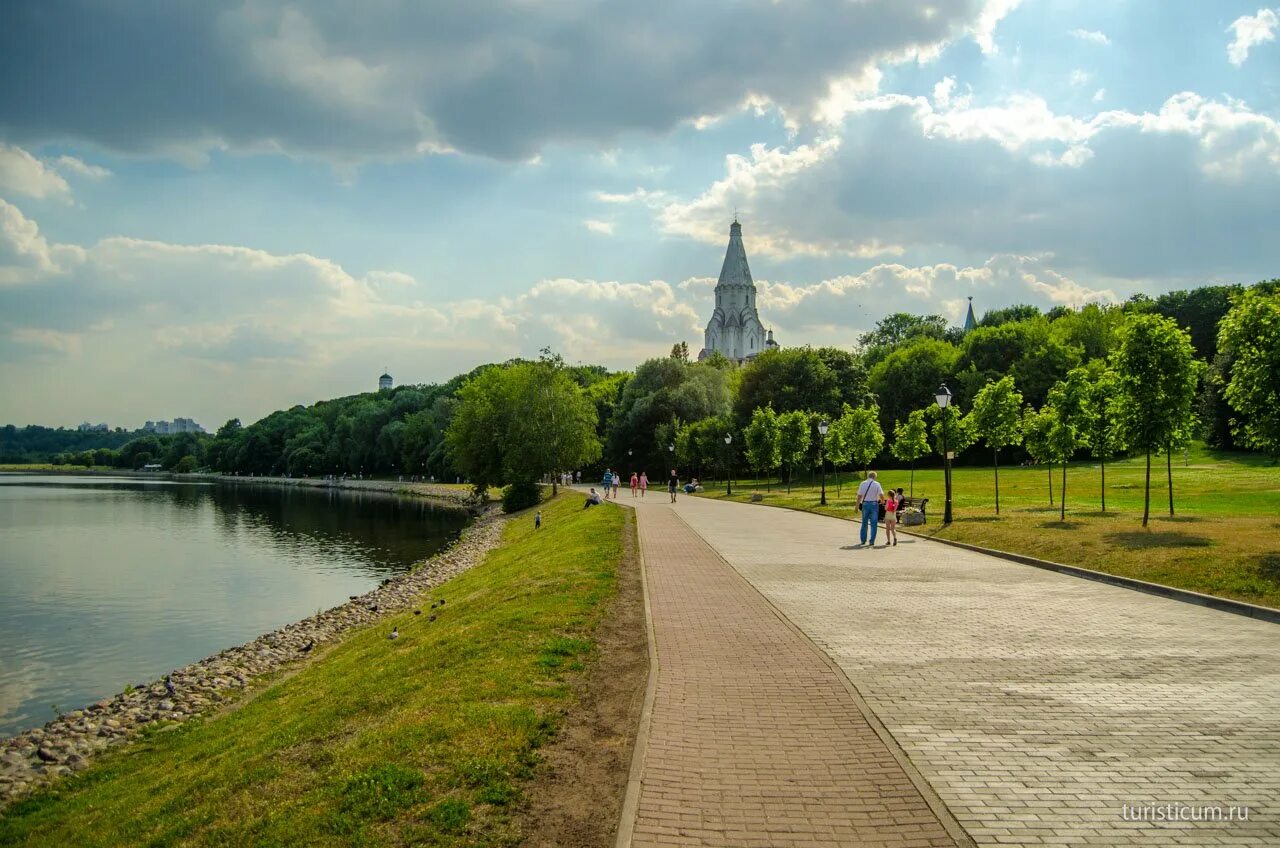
column 593, row 498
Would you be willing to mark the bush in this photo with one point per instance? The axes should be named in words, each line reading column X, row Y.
column 520, row 496
column 185, row 465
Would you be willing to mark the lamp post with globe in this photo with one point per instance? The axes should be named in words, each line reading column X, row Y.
column 728, row 441
column 823, row 427
column 943, row 396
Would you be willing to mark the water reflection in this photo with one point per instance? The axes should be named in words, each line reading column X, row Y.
column 106, row 582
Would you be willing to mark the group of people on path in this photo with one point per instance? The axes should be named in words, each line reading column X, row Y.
column 611, row 482
column 878, row 504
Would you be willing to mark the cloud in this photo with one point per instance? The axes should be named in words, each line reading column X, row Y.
column 46, row 340
column 1250, row 31
column 25, row 254
column 351, row 82
column 1092, row 36
column 23, row 173
column 604, row 228
column 1183, row 192
column 81, row 168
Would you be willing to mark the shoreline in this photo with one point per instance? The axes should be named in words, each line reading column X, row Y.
column 66, row 744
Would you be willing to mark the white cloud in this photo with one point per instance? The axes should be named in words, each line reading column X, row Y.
column 942, row 92
column 46, row 340
column 1092, row 36
column 25, row 174
column 1099, row 95
column 993, row 11
column 82, row 168
column 25, row 254
column 1079, row 77
column 1250, row 31
column 604, row 228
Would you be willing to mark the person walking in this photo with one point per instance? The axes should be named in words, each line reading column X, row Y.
column 673, row 485
column 644, row 482
column 635, row 483
column 606, row 482
column 617, row 478
column 891, row 504
column 869, row 493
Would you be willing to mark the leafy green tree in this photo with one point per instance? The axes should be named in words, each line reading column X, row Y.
column 1035, row 432
column 911, row 441
column 1157, row 373
column 700, row 445
column 958, row 429
column 1061, row 439
column 661, row 393
column 1250, row 335
column 909, row 375
column 793, row 440
column 997, row 420
column 1102, row 432
column 552, row 425
column 819, row 380
column 1019, row 312
column 862, row 430
column 761, row 436
column 839, row 447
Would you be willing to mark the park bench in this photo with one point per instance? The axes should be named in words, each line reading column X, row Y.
column 918, row 503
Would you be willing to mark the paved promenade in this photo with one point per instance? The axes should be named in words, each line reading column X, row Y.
column 1035, row 705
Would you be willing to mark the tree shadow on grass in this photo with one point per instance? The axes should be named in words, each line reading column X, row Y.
column 1138, row 539
column 1062, row 525
column 1269, row 566
column 1178, row 519
column 980, row 519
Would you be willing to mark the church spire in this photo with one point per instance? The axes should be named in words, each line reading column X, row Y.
column 735, row 271
column 969, row 322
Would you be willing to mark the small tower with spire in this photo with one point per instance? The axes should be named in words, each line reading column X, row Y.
column 970, row 324
column 384, row 382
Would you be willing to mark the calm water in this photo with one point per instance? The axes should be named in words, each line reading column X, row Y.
column 111, row 581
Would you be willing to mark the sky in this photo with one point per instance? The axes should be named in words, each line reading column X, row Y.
column 215, row 210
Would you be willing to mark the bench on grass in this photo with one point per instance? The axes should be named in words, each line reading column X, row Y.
column 918, row 503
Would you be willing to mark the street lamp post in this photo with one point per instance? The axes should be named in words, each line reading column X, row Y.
column 823, row 427
column 728, row 440
column 943, row 396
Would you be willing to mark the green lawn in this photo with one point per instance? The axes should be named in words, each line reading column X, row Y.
column 1224, row 539
column 420, row 741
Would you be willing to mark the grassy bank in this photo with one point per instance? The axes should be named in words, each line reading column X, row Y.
column 424, row 740
column 1223, row 540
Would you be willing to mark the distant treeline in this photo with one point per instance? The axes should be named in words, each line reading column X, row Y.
column 894, row 370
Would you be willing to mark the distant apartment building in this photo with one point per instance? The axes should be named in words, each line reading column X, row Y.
column 86, row 427
column 169, row 428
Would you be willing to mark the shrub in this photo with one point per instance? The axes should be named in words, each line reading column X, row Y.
column 518, row 496
column 185, row 465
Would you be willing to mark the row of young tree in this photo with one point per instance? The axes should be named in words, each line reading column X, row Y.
column 1140, row 399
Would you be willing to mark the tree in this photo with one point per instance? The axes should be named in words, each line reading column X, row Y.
column 819, row 380
column 761, row 436
column 1250, row 336
column 862, row 430
column 1019, row 312
column 997, row 421
column 1061, row 440
column 909, row 373
column 662, row 392
column 957, row 432
column 680, row 351
column 839, row 447
column 1035, row 431
column 1102, row 432
column 1157, row 386
column 518, row 422
column 910, row 442
column 793, row 440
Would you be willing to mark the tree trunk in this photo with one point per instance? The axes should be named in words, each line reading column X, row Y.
column 1051, row 484
column 913, row 478
column 1169, row 465
column 1146, row 498
column 1062, row 516
column 1104, row 485
column 996, row 453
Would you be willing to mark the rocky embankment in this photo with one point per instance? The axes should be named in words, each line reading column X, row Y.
column 67, row 743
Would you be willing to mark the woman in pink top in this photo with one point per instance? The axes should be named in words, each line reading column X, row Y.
column 644, row 482
column 635, row 483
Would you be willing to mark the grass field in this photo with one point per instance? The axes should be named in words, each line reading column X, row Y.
column 1223, row 540
column 425, row 740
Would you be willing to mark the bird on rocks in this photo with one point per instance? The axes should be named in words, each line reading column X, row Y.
column 417, row 612
column 168, row 685
column 395, row 633
column 311, row 643
column 432, row 618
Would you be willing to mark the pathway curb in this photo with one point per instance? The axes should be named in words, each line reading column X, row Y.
column 1243, row 608
column 631, row 800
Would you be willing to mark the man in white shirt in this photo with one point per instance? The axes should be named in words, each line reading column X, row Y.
column 869, row 494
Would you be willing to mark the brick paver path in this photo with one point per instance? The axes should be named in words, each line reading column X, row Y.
column 755, row 739
column 1035, row 704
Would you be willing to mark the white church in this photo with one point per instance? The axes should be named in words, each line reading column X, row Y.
column 735, row 329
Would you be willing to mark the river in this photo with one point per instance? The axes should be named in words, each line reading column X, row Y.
column 106, row 582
